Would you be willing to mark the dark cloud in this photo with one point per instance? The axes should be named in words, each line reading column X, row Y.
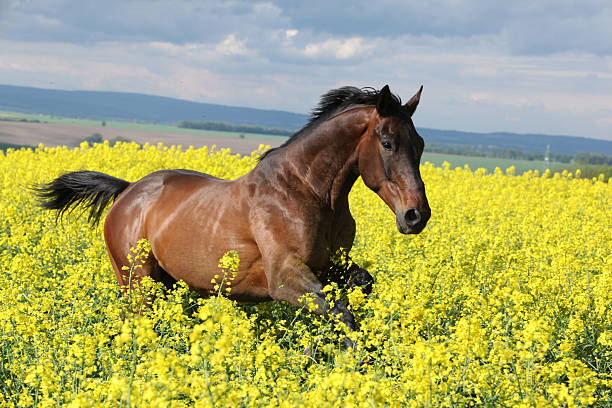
column 524, row 27
column 132, row 20
column 545, row 28
column 395, row 18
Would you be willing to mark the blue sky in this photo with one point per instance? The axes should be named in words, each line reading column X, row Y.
column 524, row 66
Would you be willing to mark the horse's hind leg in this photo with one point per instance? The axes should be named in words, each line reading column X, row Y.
column 130, row 274
column 160, row 275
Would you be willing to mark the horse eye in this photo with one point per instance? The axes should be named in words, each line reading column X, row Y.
column 387, row 145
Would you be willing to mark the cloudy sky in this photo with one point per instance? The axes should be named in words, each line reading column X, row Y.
column 541, row 66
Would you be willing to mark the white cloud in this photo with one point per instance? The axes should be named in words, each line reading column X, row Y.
column 479, row 97
column 188, row 53
column 289, row 34
column 337, row 48
column 605, row 121
column 267, row 9
column 47, row 22
column 196, row 84
column 233, row 46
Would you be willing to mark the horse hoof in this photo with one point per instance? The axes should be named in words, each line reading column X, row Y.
column 363, row 279
column 350, row 344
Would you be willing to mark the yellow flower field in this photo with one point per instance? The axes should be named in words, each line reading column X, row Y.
column 505, row 299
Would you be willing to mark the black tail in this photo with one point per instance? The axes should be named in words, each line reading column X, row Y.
column 92, row 189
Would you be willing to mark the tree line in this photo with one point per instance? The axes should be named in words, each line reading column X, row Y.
column 593, row 158
column 228, row 127
column 495, row 151
column 5, row 146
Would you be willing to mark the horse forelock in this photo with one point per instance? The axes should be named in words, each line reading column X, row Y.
column 332, row 103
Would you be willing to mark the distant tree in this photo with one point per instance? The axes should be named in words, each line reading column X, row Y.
column 113, row 141
column 5, row 146
column 593, row 158
column 95, row 138
column 516, row 153
column 561, row 157
column 508, row 153
column 103, row 123
column 228, row 127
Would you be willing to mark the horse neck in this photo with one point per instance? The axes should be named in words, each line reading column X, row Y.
column 325, row 160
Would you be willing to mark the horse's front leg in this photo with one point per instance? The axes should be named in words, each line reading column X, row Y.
column 289, row 279
column 359, row 277
column 349, row 276
column 343, row 270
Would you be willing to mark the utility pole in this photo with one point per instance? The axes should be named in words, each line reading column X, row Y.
column 547, row 157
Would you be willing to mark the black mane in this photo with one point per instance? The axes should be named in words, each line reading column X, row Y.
column 332, row 103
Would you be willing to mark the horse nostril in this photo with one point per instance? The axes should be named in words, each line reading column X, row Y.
column 413, row 216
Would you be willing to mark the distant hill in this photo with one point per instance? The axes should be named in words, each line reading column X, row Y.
column 130, row 106
column 535, row 143
column 99, row 105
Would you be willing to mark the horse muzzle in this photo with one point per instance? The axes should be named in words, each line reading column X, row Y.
column 412, row 221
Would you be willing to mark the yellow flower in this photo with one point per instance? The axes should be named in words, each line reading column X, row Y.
column 503, row 300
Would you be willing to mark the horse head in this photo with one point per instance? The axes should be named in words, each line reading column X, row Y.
column 389, row 155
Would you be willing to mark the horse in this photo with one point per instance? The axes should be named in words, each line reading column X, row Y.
column 286, row 218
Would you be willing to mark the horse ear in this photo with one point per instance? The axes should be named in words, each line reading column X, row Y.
column 385, row 102
column 412, row 104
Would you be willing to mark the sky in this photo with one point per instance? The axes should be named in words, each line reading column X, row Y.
column 538, row 66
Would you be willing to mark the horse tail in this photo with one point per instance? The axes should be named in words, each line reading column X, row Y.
column 92, row 189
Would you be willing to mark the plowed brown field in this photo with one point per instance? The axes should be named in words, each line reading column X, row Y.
column 54, row 134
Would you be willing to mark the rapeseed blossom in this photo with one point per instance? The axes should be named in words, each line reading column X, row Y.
column 503, row 300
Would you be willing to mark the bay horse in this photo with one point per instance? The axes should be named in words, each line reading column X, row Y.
column 286, row 218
